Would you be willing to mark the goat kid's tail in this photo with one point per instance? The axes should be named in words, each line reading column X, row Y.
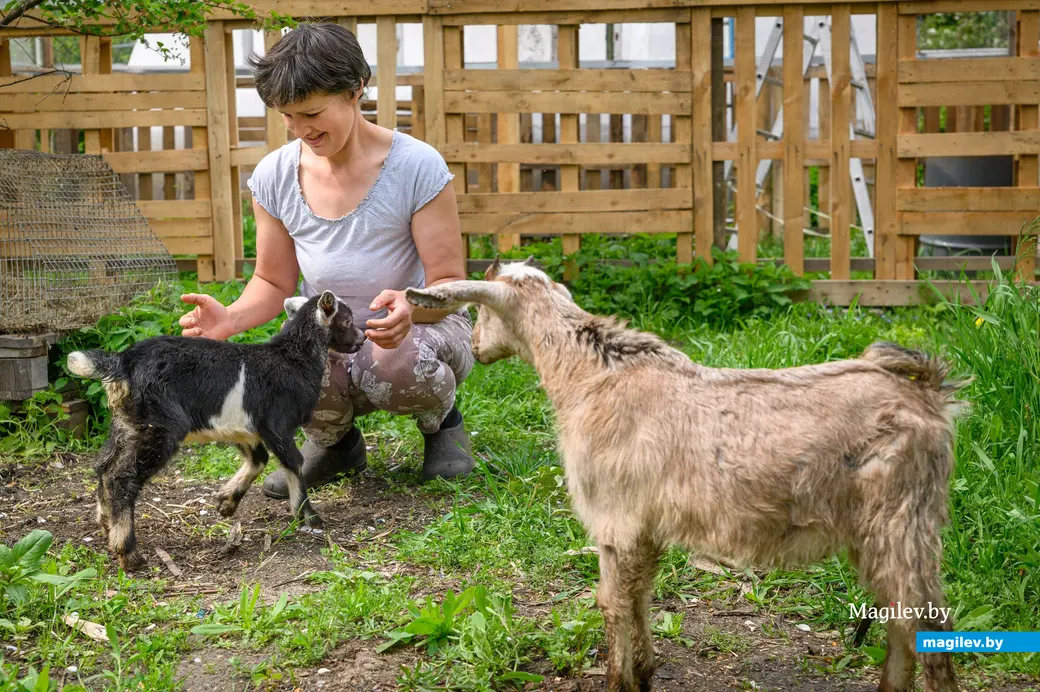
column 929, row 372
column 96, row 364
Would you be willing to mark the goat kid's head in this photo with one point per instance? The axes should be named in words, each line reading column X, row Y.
column 331, row 314
column 507, row 293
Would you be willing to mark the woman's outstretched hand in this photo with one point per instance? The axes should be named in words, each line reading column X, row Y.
column 391, row 330
column 209, row 319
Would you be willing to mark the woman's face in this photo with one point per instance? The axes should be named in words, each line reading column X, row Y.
column 323, row 121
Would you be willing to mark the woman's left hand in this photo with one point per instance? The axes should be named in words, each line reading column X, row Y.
column 391, row 330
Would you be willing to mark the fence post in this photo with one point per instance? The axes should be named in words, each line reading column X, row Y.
column 703, row 168
column 885, row 174
column 906, row 169
column 1028, row 120
column 683, row 125
column 794, row 139
column 6, row 136
column 218, row 140
column 508, row 127
column 567, row 57
column 841, row 104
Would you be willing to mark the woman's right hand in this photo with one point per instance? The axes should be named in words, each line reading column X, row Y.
column 209, row 319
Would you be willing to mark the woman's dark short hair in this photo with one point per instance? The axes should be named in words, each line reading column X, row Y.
column 310, row 59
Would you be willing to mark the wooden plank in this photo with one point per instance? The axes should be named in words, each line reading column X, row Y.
column 90, row 59
column 567, row 79
column 448, row 7
column 794, row 142
column 217, row 127
column 174, row 208
column 965, row 262
column 93, row 120
column 575, row 201
column 814, row 148
column 237, row 230
column 905, row 249
column 455, row 125
column 433, row 50
column 592, row 222
column 683, row 135
column 969, row 93
column 968, row 199
column 564, row 102
column 966, row 223
column 886, row 221
column 969, row 144
column 746, row 213
column 181, row 228
column 247, row 156
column 508, row 174
column 720, row 189
column 328, row 8
column 582, row 154
column 102, row 83
column 568, row 60
column 386, row 69
column 701, row 123
column 932, row 6
column 841, row 107
column 168, row 161
column 567, row 17
column 893, row 293
column 60, row 101
column 191, row 246
column 6, row 136
column 959, row 70
column 1028, row 36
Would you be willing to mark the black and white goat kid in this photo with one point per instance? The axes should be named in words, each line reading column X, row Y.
column 168, row 390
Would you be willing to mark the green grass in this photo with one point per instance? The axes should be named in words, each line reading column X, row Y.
column 506, row 537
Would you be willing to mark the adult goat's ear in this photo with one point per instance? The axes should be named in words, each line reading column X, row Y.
column 529, row 261
column 492, row 271
column 293, row 305
column 458, row 293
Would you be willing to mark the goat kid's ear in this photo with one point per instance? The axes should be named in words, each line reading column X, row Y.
column 459, row 293
column 293, row 305
column 327, row 304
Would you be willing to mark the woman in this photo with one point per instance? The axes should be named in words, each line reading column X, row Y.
column 365, row 212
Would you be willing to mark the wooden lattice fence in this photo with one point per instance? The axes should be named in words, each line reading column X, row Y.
column 617, row 150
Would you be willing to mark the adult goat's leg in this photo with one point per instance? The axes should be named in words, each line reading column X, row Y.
column 616, row 597
column 254, row 459
column 637, row 578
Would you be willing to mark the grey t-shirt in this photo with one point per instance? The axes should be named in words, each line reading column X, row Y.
column 371, row 248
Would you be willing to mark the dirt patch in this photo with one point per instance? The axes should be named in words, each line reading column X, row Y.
column 177, row 515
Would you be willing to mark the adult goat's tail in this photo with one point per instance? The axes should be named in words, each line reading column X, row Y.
column 929, row 372
column 96, row 364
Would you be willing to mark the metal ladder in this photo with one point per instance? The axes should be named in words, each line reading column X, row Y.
column 819, row 34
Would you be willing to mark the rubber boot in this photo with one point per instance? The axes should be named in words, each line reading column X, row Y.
column 322, row 465
column 447, row 452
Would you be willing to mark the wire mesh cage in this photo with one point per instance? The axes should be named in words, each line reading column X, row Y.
column 73, row 245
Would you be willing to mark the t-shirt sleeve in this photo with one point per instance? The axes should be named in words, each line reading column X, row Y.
column 431, row 175
column 264, row 183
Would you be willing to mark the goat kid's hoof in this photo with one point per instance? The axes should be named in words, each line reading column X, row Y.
column 132, row 562
column 227, row 505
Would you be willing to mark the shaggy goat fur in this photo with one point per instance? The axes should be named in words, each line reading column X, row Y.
column 172, row 389
column 755, row 467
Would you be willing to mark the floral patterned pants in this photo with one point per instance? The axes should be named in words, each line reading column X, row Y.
column 418, row 378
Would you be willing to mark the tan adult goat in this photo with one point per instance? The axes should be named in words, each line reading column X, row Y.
column 756, row 467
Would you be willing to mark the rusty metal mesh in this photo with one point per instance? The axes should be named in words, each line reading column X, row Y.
column 73, row 245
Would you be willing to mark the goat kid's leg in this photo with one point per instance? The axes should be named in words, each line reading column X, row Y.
column 142, row 458
column 284, row 447
column 102, row 466
column 254, row 459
